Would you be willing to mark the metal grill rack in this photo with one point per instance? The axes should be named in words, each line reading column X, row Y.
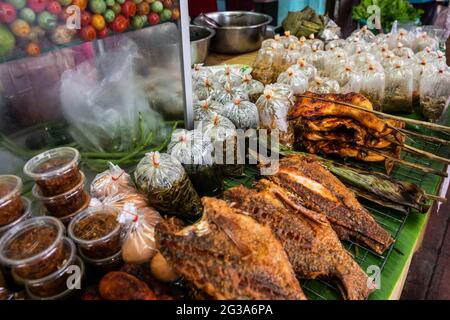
column 389, row 219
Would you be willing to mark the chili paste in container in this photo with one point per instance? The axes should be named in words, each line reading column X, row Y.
column 34, row 248
column 11, row 205
column 55, row 171
column 165, row 182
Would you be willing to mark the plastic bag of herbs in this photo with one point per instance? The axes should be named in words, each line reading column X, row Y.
column 398, row 89
column 267, row 65
column 434, row 94
column 223, row 135
column 103, row 101
column 373, row 83
column 195, row 151
column 165, row 182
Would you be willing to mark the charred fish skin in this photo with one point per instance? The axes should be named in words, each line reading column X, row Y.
column 228, row 255
column 312, row 246
column 319, row 190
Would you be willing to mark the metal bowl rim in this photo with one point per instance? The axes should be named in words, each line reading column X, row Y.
column 212, row 33
column 269, row 20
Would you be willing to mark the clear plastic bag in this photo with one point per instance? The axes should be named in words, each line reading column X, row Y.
column 337, row 57
column 227, row 92
column 361, row 58
column 303, row 47
column 282, row 91
column 138, row 233
column 420, row 69
column 290, row 57
column 315, row 43
column 348, row 78
column 204, row 87
column 353, row 45
column 217, row 127
column 199, row 72
column 308, row 69
column 110, row 182
column 228, row 75
column 335, row 44
column 267, row 64
column 165, row 182
column 295, row 79
column 324, row 85
column 434, row 94
column 274, row 43
column 402, row 51
column 364, row 34
column 205, row 108
column 103, row 110
column 318, row 58
column 195, row 151
column 398, row 89
column 254, row 88
column 273, row 109
column 423, row 40
column 389, row 60
column 287, row 40
column 373, row 83
column 243, row 114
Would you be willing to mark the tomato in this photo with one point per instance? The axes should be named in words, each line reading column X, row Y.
column 20, row 28
column 18, row 4
column 86, row 18
column 7, row 13
column 157, row 6
column 47, row 21
column 129, row 9
column 109, row 15
column 120, row 24
column 82, row 4
column 97, row 6
column 175, row 14
column 110, row 3
column 167, row 4
column 137, row 22
column 88, row 33
column 166, row 15
column 33, row 49
column 153, row 18
column 37, row 5
column 116, row 8
column 143, row 8
column 102, row 33
column 65, row 3
column 98, row 22
column 54, row 7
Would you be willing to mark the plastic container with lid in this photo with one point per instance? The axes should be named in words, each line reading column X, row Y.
column 54, row 286
column 56, row 282
column 66, row 203
column 26, row 214
column 11, row 204
column 97, row 232
column 34, row 248
column 107, row 264
column 66, row 219
column 55, row 171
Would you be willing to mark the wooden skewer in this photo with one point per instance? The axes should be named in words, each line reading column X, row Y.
column 436, row 198
column 424, row 137
column 426, row 154
column 384, row 115
column 409, row 164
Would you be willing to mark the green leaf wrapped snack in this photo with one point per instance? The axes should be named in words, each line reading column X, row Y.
column 165, row 182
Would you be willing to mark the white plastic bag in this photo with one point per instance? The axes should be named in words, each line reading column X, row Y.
column 102, row 101
column 295, row 79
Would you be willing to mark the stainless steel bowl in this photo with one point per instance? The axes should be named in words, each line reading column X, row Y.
column 200, row 42
column 239, row 31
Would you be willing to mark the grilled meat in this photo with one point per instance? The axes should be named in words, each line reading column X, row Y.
column 317, row 189
column 229, row 255
column 312, row 246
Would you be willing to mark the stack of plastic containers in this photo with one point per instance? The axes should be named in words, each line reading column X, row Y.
column 59, row 183
column 41, row 258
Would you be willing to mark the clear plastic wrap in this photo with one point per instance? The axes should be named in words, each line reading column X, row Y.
column 373, row 83
column 228, row 92
column 398, row 89
column 267, row 64
column 273, row 109
column 243, row 114
column 205, row 108
column 204, row 87
column 199, row 72
column 348, row 78
column 434, row 94
column 322, row 85
column 307, row 68
column 165, row 182
column 296, row 79
column 195, row 151
column 103, row 110
column 138, row 233
column 228, row 75
column 253, row 87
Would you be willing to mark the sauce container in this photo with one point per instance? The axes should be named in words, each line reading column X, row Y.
column 97, row 232
column 105, row 265
column 34, row 248
column 58, row 282
column 66, row 203
column 11, row 205
column 26, row 214
column 55, row 171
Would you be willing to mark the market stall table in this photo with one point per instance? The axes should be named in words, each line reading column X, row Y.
column 410, row 233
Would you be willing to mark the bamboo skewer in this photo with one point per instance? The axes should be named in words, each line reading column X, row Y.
column 384, row 115
column 424, row 137
column 426, row 154
column 436, row 198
